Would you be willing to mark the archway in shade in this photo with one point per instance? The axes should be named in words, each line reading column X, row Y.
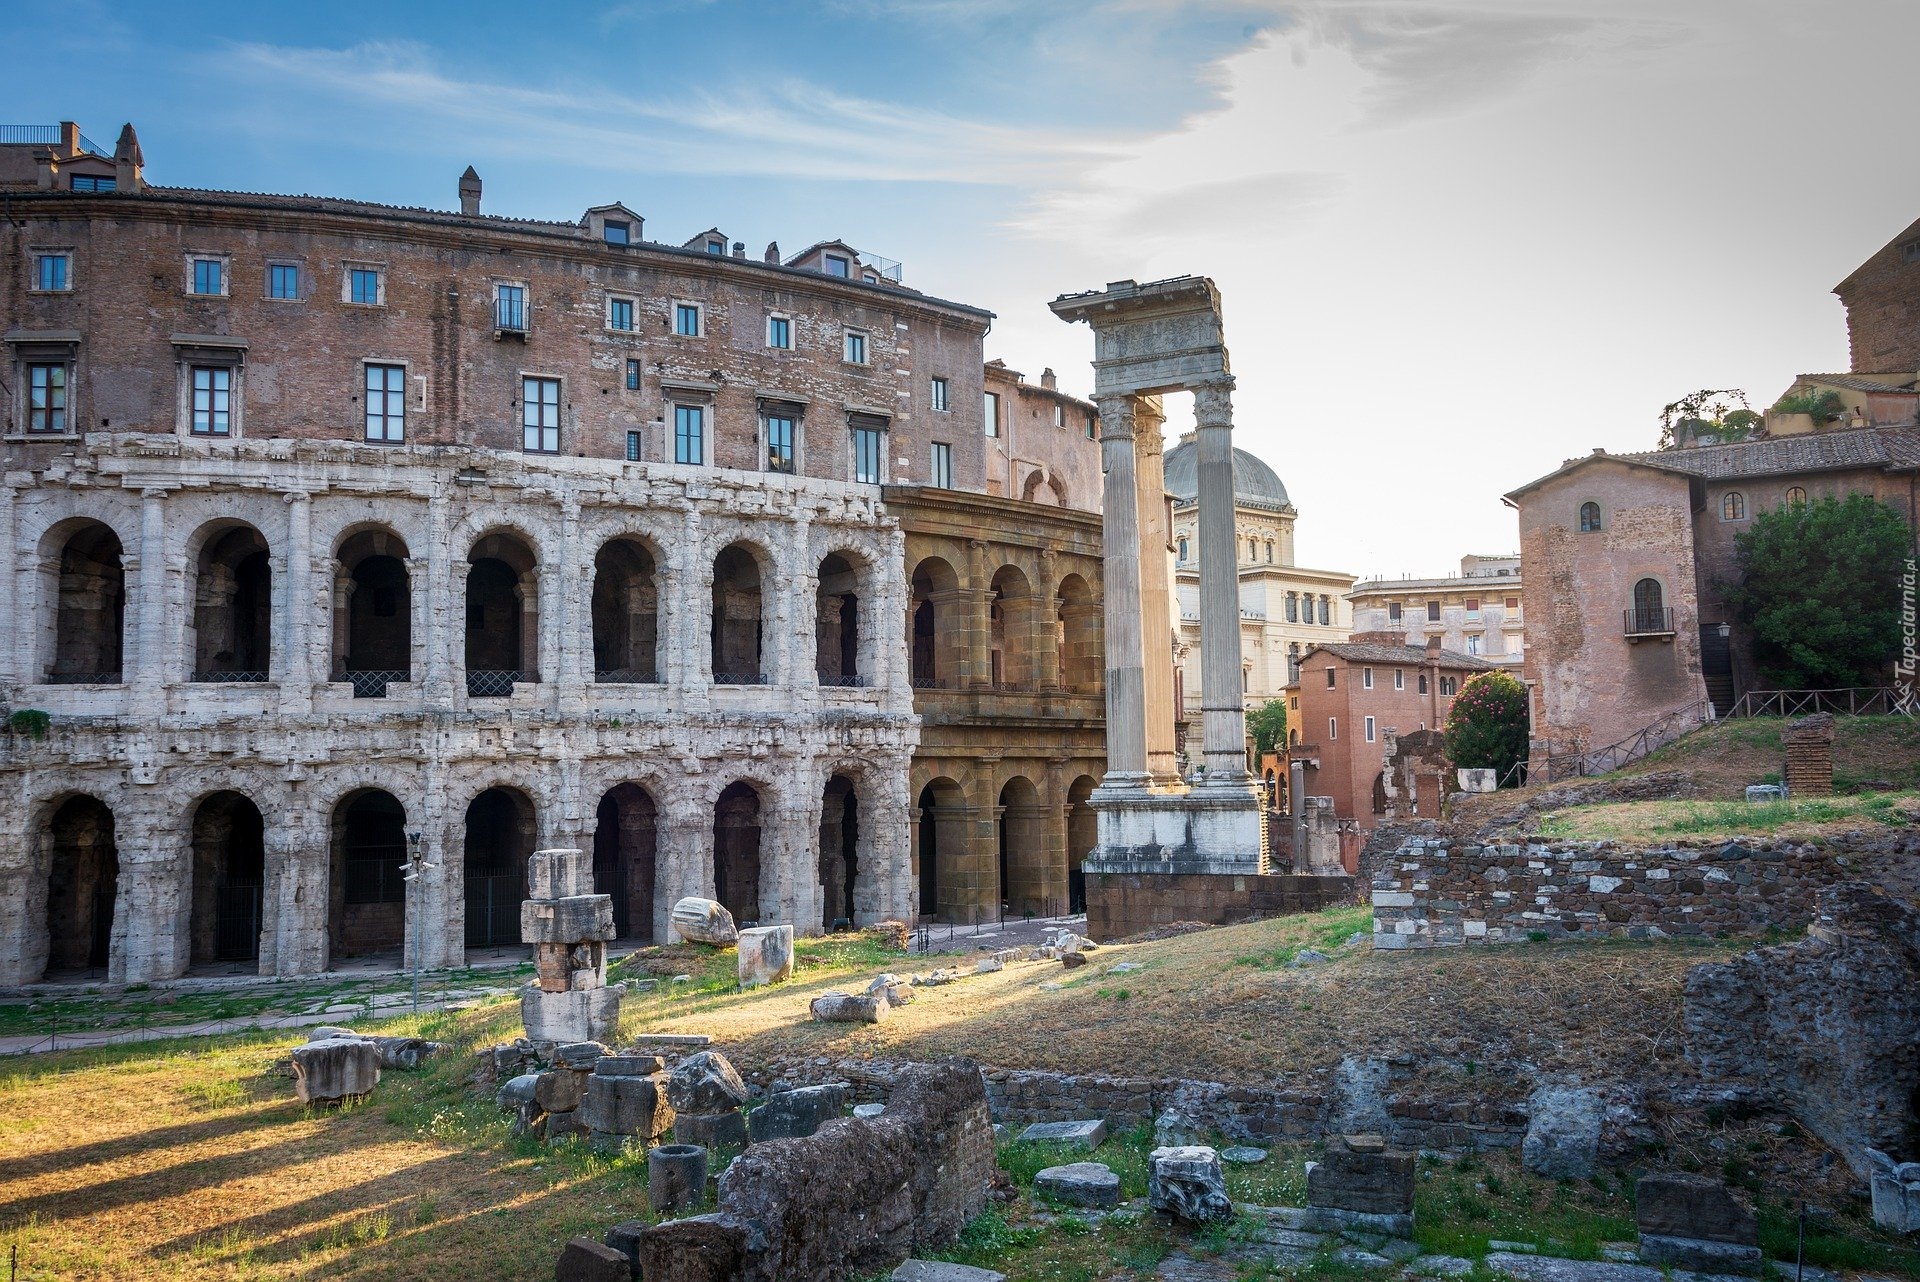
column 83, row 885
column 1010, row 619
column 1083, row 834
column 233, row 607
column 626, row 613
column 89, row 609
column 939, row 849
column 738, row 624
column 625, row 847
column 1077, row 634
column 936, row 634
column 368, row 895
column 1023, row 851
column 836, row 626
column 499, row 839
column 372, row 613
column 839, row 859
column 503, row 615
column 736, row 852
column 229, row 879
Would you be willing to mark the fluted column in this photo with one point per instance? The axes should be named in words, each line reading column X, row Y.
column 1120, row 539
column 1223, row 714
column 1156, row 591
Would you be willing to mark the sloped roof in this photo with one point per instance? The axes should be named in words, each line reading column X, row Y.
column 1866, row 447
column 1854, row 383
column 1410, row 655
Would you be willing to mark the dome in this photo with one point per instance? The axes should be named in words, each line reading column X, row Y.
column 1253, row 481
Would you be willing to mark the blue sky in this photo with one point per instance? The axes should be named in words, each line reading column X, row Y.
column 1458, row 241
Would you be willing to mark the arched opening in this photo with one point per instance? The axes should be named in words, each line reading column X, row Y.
column 233, row 608
column 90, row 609
column 83, row 884
column 229, row 879
column 1083, row 834
column 839, row 857
column 1648, row 612
column 368, row 895
column 1380, row 793
column 737, row 623
column 626, row 613
column 939, row 849
column 1589, row 517
column 736, row 852
column 1010, row 620
column 1077, row 634
column 503, row 616
column 836, row 626
column 499, row 839
column 1023, row 849
column 937, row 642
column 625, row 845
column 372, row 613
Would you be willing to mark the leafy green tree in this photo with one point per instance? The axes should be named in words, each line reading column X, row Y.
column 1268, row 724
column 1819, row 591
column 1487, row 724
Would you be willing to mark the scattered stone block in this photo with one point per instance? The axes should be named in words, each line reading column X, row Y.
column 581, row 1057
column 635, row 1106
column 987, row 965
column 1439, row 1266
column 867, row 1112
column 404, row 1053
column 566, row 921
column 765, row 956
column 704, row 921
column 1188, row 1184
column 711, row 1130
column 627, row 1065
column 1896, row 1192
column 559, row 1090
column 797, row 1113
column 624, row 1237
column 1173, row 1129
column 1072, row 961
column 330, row 1032
column 940, row 1271
column 1693, row 1222
column 705, row 1082
column 1361, row 1183
column 340, row 1068
column 1089, row 1135
column 1242, row 1155
column 846, row 1008
column 578, row 1015
column 559, row 874
column 897, row 991
column 1563, row 1133
column 676, row 1177
column 516, row 1091
column 560, row 1127
column 585, row 1260
column 1080, row 1184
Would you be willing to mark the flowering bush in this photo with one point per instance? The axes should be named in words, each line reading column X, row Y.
column 1487, row 724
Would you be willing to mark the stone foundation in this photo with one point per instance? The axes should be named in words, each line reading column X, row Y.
column 1124, row 904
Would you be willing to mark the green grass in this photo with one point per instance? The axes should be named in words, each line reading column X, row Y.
column 1726, row 820
column 1327, row 930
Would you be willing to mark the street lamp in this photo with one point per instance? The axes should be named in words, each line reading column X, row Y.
column 416, row 869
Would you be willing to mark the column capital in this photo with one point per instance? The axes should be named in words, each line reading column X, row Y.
column 1116, row 417
column 1213, row 402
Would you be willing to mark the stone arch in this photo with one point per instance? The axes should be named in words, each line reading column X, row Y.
column 83, row 571
column 940, row 849
column 739, row 623
column 502, row 613
column 228, row 881
column 626, row 611
column 499, row 835
column 372, row 610
column 843, row 604
column 626, row 857
column 1077, row 635
column 366, row 896
column 737, row 815
column 936, row 624
column 1022, row 848
column 1012, row 610
column 83, row 882
column 232, row 600
column 1083, row 835
column 839, row 851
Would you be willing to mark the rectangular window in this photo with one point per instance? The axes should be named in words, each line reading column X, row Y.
column 363, row 286
column 1293, row 607
column 1366, row 678
column 1473, row 643
column 1333, row 727
column 633, row 447
column 283, row 280
column 718, row 247
column 209, row 276
column 1393, row 612
column 47, row 399
column 510, row 307
column 1399, row 679
column 616, row 231
column 689, row 434
column 212, row 400
column 387, row 403
column 1433, row 612
column 94, row 182
column 51, row 274
column 686, row 320
column 856, row 352
column 838, row 266
column 780, row 333
column 540, row 415
column 1059, row 416
column 1326, row 612
column 1092, row 434
column 779, row 444
column 620, row 313
column 940, row 394
column 869, row 455
column 1330, row 678
column 993, row 413
column 1513, row 603
column 943, row 465
column 633, row 376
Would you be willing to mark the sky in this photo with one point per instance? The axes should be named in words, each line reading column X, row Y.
column 1457, row 242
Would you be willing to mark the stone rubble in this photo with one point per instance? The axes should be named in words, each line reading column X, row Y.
column 1563, row 1136
column 569, row 999
column 1188, row 1184
column 765, row 955
column 1692, row 1222
column 847, row 1008
column 1089, row 1135
column 797, row 1113
column 1895, row 1188
column 1080, row 1184
column 704, row 921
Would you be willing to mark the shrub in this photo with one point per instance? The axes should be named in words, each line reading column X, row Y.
column 1487, row 724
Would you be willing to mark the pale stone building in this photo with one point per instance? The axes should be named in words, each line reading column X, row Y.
column 1478, row 612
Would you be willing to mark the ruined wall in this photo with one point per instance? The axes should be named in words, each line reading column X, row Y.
column 1124, row 904
column 1880, row 298
column 1436, row 892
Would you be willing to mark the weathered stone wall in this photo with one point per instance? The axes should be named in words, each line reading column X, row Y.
column 1123, row 904
column 1436, row 892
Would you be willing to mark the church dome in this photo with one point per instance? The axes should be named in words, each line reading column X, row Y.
column 1254, row 482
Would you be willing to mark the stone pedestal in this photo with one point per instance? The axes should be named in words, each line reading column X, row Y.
column 568, row 926
column 1199, row 830
column 1361, row 1183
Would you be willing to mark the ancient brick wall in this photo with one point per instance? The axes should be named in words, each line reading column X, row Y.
column 1123, row 904
column 1880, row 298
column 1433, row 892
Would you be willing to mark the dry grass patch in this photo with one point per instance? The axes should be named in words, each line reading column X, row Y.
column 1799, row 819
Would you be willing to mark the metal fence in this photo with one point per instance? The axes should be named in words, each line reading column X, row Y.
column 373, row 683
column 1854, row 701
column 491, row 685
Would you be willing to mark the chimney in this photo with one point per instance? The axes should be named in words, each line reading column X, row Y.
column 1048, row 381
column 773, row 252
column 69, row 140
column 739, row 249
column 470, row 192
column 1433, row 649
column 46, row 168
column 128, row 161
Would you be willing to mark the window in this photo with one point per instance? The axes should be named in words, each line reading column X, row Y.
column 52, row 273
column 620, row 314
column 1473, row 609
column 1293, row 607
column 209, row 276
column 1293, row 667
column 1449, row 686
column 1333, row 727
column 856, row 347
column 364, row 286
column 1393, row 612
column 992, row 413
column 1059, row 416
column 1330, row 679
column 1326, row 612
column 689, row 434
column 1269, row 551
column 633, row 447
column 1796, row 497
column 940, row 395
column 1513, row 603
column 387, row 403
column 540, row 415
column 94, row 182
column 838, row 265
column 212, row 401
column 717, row 247
column 1369, row 729
column 1734, row 506
column 1366, row 678
column 1183, row 549
column 779, row 443
column 1589, row 517
column 1473, row 643
column 686, row 320
column 1423, row 683
column 47, row 400
column 617, row 231
column 780, row 333
column 283, row 281
column 943, row 465
column 1649, row 600
column 1433, row 612
column 1253, row 550
column 1399, row 679
column 1091, row 432
column 633, row 376
column 869, row 454
column 510, row 307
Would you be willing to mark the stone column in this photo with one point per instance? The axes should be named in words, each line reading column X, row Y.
column 573, row 589
column 979, row 622
column 298, row 892
column 1156, row 592
column 16, row 665
column 1046, row 624
column 150, row 905
column 296, row 639
column 152, row 654
column 686, row 614
column 438, row 628
column 1125, row 656
column 1223, row 713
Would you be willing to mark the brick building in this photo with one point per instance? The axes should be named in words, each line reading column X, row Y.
column 1042, row 444
column 344, row 532
column 1351, row 696
column 1477, row 611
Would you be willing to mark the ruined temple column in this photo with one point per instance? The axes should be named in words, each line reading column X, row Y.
column 1156, row 591
column 1120, row 539
column 1223, row 714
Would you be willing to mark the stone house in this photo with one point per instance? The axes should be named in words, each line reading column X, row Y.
column 1477, row 611
column 1042, row 444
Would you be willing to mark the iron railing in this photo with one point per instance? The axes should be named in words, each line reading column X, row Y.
column 926, row 683
column 1853, row 701
column 855, row 681
column 623, row 676
column 1656, row 622
column 1657, row 734
column 373, row 683
column 491, row 685
column 740, row 678
column 45, row 135
column 219, row 677
column 83, row 679
column 510, row 314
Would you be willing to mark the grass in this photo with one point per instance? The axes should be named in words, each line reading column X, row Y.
column 1712, row 821
column 1330, row 930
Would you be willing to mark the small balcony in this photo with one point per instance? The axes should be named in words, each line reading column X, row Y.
column 1649, row 624
column 509, row 318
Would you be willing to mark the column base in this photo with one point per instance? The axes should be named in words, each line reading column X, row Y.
column 1204, row 830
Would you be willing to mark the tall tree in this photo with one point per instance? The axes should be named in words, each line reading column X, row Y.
column 1487, row 724
column 1268, row 724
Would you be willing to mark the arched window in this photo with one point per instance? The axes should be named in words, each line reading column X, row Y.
column 1734, row 506
column 1589, row 517
column 1269, row 551
column 1183, row 549
column 1648, row 614
column 1796, row 497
